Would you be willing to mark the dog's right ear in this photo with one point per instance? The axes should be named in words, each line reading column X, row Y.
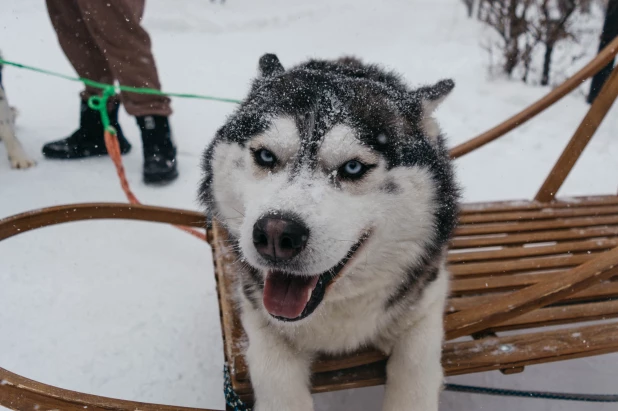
column 269, row 66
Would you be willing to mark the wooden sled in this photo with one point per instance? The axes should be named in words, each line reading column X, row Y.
column 518, row 266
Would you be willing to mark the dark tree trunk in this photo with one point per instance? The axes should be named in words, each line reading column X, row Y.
column 549, row 49
column 527, row 59
column 511, row 58
column 610, row 32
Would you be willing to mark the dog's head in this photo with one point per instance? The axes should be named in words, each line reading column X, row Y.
column 330, row 171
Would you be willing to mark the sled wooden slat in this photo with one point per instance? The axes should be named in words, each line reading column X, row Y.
column 535, row 215
column 529, row 349
column 566, row 314
column 509, row 253
column 599, row 292
column 537, row 237
column 518, row 227
column 504, row 267
column 527, row 205
column 492, row 283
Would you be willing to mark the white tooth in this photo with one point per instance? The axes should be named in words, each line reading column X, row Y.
column 309, row 296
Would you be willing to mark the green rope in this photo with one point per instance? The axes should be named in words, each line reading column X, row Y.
column 106, row 87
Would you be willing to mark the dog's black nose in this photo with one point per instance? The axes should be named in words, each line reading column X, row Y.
column 279, row 238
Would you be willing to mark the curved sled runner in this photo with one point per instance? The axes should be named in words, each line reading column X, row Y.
column 516, row 266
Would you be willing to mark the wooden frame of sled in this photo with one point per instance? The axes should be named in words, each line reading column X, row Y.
column 517, row 266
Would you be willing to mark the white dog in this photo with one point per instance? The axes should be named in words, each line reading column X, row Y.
column 334, row 183
column 17, row 156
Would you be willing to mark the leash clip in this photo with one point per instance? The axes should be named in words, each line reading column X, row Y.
column 99, row 103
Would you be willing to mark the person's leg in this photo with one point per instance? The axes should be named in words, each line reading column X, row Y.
column 116, row 28
column 89, row 62
column 77, row 43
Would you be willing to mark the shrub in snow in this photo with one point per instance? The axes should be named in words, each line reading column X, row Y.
column 539, row 40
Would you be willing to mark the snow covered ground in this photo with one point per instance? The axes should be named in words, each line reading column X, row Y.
column 129, row 309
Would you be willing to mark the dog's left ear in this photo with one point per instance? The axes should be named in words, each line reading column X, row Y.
column 432, row 96
column 269, row 66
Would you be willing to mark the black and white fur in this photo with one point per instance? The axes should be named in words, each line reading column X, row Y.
column 315, row 118
column 17, row 155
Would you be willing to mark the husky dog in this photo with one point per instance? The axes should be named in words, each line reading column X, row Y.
column 17, row 156
column 334, row 183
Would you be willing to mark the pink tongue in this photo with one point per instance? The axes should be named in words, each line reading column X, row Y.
column 287, row 295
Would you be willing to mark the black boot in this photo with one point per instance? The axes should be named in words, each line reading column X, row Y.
column 87, row 140
column 159, row 150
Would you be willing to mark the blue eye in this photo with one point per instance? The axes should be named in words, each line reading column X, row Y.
column 265, row 158
column 353, row 169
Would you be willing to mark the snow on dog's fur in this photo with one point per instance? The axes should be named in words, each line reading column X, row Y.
column 17, row 156
column 334, row 183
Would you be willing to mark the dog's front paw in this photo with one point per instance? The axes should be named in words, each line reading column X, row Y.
column 22, row 162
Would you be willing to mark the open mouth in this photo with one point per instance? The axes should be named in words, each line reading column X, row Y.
column 292, row 297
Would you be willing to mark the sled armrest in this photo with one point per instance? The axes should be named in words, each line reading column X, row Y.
column 601, row 60
column 20, row 393
column 31, row 220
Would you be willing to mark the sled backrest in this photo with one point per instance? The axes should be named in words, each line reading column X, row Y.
column 582, row 135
